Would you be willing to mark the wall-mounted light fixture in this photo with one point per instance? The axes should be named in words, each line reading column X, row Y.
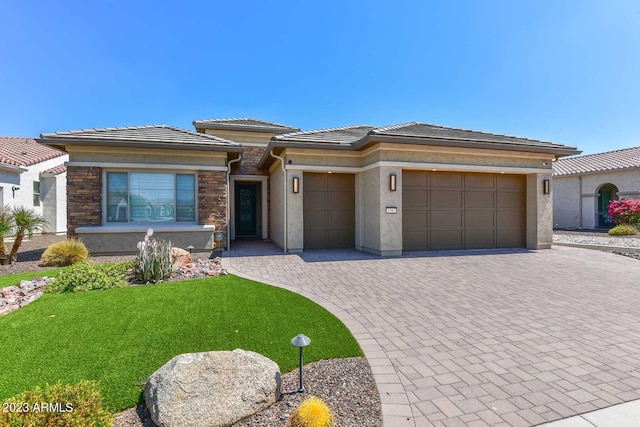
column 13, row 191
column 546, row 186
column 296, row 184
column 393, row 182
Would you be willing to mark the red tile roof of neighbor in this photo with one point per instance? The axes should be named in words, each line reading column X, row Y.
column 56, row 170
column 20, row 151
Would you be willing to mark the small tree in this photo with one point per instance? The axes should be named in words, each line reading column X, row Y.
column 26, row 223
column 625, row 212
column 6, row 225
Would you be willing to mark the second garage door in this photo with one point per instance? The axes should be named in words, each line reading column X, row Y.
column 329, row 210
column 449, row 210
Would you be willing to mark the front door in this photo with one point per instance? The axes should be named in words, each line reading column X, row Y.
column 245, row 195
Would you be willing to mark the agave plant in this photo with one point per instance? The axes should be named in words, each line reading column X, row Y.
column 26, row 222
column 6, row 225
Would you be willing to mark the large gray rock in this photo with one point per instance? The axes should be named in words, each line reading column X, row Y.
column 212, row 389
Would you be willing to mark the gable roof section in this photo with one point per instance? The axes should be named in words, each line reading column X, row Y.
column 56, row 170
column 22, row 152
column 245, row 124
column 359, row 137
column 154, row 136
column 607, row 161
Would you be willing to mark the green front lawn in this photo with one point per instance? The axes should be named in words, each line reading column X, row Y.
column 121, row 336
column 14, row 279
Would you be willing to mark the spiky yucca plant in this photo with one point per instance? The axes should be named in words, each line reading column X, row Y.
column 153, row 262
column 62, row 254
column 313, row 412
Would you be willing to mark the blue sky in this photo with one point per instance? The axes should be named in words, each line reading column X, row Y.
column 566, row 71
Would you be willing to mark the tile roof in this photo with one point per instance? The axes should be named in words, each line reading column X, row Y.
column 56, row 170
column 156, row 134
column 244, row 123
column 345, row 135
column 18, row 151
column 610, row 160
column 425, row 130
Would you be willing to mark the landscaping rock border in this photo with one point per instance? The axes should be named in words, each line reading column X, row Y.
column 15, row 297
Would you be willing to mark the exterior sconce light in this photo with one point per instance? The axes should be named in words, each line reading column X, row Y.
column 296, row 185
column 13, row 191
column 301, row 341
column 546, row 186
column 393, row 181
column 189, row 248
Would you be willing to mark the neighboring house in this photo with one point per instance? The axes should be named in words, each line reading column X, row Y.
column 34, row 176
column 583, row 186
column 383, row 190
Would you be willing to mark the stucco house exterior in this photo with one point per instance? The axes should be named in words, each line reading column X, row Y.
column 584, row 186
column 34, row 176
column 384, row 190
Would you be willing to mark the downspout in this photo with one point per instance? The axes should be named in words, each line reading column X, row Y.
column 284, row 197
column 229, row 163
column 580, row 179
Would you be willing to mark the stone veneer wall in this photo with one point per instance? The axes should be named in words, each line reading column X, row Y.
column 84, row 197
column 250, row 158
column 212, row 199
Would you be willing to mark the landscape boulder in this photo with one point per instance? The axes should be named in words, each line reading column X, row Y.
column 211, row 389
column 179, row 258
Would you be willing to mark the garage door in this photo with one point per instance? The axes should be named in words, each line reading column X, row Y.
column 329, row 210
column 450, row 210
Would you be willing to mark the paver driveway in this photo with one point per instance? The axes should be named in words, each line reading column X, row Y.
column 499, row 338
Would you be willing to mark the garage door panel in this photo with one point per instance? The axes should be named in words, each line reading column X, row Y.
column 315, row 239
column 315, row 181
column 316, row 201
column 446, row 199
column 446, row 220
column 510, row 219
column 479, row 199
column 479, row 239
column 315, row 220
column 450, row 180
column 415, row 220
column 341, row 239
column 479, row 181
column 340, row 182
column 446, row 240
column 510, row 238
column 510, row 200
column 511, row 182
column 415, row 199
column 341, row 220
column 479, row 220
column 339, row 200
column 415, row 240
column 415, row 179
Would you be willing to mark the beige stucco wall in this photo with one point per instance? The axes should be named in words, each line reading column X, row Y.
column 276, row 225
column 126, row 241
column 153, row 156
column 295, row 213
column 367, row 219
column 576, row 196
column 539, row 213
column 242, row 136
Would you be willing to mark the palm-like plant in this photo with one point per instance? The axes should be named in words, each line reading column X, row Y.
column 6, row 225
column 26, row 222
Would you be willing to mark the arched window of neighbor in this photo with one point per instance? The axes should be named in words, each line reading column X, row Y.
column 606, row 193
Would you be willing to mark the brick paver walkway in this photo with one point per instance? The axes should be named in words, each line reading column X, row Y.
column 491, row 338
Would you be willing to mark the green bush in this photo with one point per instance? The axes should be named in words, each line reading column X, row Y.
column 153, row 262
column 64, row 253
column 623, row 230
column 78, row 405
column 85, row 276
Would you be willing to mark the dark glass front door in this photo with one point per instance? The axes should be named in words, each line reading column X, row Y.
column 245, row 195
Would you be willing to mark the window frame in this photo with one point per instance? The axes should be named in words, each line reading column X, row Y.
column 174, row 172
column 37, row 194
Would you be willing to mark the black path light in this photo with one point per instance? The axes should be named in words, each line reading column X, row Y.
column 301, row 341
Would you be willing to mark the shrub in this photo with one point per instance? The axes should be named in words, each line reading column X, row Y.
column 85, row 276
column 313, row 412
column 76, row 405
column 626, row 212
column 26, row 222
column 153, row 262
column 64, row 253
column 623, row 230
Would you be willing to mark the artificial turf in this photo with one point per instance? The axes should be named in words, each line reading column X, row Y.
column 14, row 279
column 120, row 336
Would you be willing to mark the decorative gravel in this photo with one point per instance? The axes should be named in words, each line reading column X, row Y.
column 595, row 238
column 345, row 385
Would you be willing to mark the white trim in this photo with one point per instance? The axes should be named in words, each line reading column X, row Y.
column 263, row 201
column 143, row 227
column 451, row 167
column 167, row 166
column 12, row 168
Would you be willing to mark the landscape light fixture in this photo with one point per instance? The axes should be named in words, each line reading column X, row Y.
column 189, row 248
column 301, row 341
column 546, row 186
column 393, row 181
column 296, row 185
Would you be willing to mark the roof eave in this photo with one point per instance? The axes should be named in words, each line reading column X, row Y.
column 12, row 168
column 57, row 141
column 247, row 128
column 266, row 160
column 464, row 143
